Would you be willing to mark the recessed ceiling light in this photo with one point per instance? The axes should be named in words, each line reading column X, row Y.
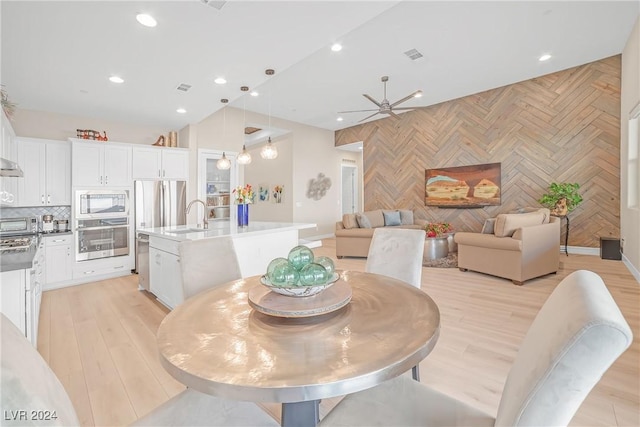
column 339, row 119
column 544, row 57
column 116, row 79
column 336, row 47
column 254, row 93
column 181, row 110
column 146, row 20
column 418, row 95
column 220, row 80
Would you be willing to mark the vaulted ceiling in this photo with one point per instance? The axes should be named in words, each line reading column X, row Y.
column 58, row 56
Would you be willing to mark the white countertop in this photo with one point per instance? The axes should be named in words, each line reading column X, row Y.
column 222, row 228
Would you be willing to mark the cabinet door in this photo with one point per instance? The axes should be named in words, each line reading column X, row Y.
column 12, row 297
column 147, row 163
column 157, row 282
column 58, row 263
column 31, row 187
column 58, row 174
column 87, row 162
column 173, row 279
column 117, row 166
column 175, row 164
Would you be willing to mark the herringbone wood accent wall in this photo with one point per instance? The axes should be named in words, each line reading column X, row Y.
column 562, row 127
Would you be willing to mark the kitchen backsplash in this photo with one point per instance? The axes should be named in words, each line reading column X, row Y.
column 58, row 212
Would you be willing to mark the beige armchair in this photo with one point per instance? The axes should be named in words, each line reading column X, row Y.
column 517, row 246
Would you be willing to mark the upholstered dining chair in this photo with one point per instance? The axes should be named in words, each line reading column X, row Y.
column 207, row 263
column 28, row 383
column 578, row 333
column 397, row 253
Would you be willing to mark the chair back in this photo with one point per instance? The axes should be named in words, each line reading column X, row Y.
column 27, row 382
column 207, row 263
column 397, row 253
column 578, row 333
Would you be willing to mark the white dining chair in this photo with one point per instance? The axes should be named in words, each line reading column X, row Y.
column 207, row 263
column 576, row 336
column 397, row 253
column 28, row 383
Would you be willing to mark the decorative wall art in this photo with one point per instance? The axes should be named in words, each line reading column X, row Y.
column 463, row 186
column 277, row 193
column 263, row 192
column 318, row 187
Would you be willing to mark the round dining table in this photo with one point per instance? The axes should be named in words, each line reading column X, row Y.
column 216, row 343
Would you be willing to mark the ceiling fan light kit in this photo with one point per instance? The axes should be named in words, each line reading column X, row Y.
column 384, row 106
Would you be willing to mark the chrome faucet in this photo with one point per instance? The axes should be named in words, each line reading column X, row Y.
column 205, row 222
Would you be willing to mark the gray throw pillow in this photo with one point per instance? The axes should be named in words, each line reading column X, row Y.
column 391, row 218
column 489, row 225
column 406, row 216
column 363, row 221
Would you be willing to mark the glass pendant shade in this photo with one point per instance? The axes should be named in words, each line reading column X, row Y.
column 269, row 151
column 223, row 163
column 244, row 158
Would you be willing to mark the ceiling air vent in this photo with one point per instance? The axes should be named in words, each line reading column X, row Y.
column 183, row 87
column 413, row 54
column 214, row 3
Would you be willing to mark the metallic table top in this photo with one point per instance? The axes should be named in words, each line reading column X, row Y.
column 217, row 344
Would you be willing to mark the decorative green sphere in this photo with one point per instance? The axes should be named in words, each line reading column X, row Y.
column 313, row 274
column 327, row 263
column 282, row 273
column 300, row 256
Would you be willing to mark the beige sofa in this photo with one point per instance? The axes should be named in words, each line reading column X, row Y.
column 516, row 246
column 354, row 232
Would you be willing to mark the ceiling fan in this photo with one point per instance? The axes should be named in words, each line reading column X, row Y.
column 385, row 107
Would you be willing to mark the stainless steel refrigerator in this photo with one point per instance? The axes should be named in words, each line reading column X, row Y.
column 157, row 204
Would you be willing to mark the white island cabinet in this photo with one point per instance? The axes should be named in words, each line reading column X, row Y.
column 255, row 246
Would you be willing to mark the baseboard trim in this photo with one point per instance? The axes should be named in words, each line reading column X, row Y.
column 632, row 269
column 581, row 250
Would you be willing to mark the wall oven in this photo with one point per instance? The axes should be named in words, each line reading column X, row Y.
column 102, row 238
column 98, row 204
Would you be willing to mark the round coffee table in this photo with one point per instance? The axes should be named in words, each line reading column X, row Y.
column 435, row 248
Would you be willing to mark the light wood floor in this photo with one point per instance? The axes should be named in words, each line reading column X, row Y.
column 99, row 338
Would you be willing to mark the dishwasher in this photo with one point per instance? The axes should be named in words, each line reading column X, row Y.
column 142, row 260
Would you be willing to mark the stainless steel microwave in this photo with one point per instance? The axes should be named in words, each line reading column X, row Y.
column 96, row 204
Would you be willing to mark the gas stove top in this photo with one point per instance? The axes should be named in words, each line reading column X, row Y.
column 15, row 244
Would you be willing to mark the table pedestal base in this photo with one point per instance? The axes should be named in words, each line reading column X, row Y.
column 298, row 414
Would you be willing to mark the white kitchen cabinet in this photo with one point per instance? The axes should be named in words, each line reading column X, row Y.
column 12, row 296
column 165, row 277
column 8, row 185
column 47, row 172
column 151, row 162
column 58, row 259
column 100, row 164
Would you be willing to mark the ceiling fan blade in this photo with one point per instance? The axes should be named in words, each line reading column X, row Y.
column 368, row 117
column 371, row 99
column 391, row 113
column 406, row 108
column 406, row 98
column 358, row 111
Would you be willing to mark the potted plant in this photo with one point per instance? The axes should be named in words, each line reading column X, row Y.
column 561, row 198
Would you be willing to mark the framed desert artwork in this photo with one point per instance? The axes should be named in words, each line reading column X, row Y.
column 472, row 186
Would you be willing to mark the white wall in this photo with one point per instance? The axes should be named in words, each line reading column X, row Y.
column 47, row 125
column 630, row 97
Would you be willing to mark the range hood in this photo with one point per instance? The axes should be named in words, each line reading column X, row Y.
column 9, row 168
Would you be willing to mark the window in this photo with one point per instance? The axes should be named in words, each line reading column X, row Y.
column 633, row 154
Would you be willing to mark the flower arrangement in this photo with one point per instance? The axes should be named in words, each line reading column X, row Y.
column 243, row 195
column 437, row 229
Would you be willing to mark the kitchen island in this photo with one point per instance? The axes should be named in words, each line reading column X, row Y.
column 255, row 245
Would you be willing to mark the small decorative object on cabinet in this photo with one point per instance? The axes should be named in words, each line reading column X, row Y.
column 243, row 197
column 243, row 215
column 159, row 142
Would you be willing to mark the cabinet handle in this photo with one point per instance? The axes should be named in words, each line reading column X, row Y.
column 164, row 173
column 58, row 240
column 42, row 199
column 106, row 180
column 89, row 272
column 48, row 198
column 159, row 174
column 120, row 266
column 100, row 179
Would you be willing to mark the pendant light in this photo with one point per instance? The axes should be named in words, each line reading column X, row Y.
column 244, row 158
column 269, row 151
column 223, row 163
